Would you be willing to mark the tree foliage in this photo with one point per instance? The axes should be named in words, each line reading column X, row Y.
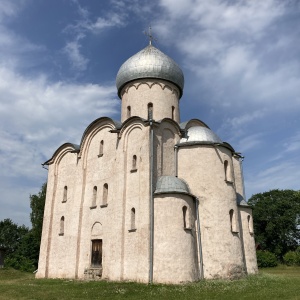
column 37, row 204
column 23, row 245
column 11, row 235
column 276, row 216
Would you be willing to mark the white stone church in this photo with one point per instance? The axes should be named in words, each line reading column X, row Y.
column 147, row 199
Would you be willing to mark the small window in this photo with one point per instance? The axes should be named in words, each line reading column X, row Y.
column 133, row 167
column 173, row 112
column 150, row 111
column 186, row 218
column 65, row 196
column 101, row 146
column 227, row 171
column 94, row 201
column 96, row 255
column 132, row 219
column 233, row 224
column 250, row 224
column 105, row 195
column 128, row 112
column 62, row 226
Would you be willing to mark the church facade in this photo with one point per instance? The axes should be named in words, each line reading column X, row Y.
column 147, row 198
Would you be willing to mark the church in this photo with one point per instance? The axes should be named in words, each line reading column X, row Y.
column 148, row 198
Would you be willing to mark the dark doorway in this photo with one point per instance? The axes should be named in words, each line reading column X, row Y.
column 96, row 261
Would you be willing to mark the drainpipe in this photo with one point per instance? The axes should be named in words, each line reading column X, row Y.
column 151, row 204
column 201, row 272
column 176, row 160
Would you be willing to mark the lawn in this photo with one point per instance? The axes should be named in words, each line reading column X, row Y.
column 275, row 283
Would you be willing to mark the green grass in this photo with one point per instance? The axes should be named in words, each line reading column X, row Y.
column 275, row 283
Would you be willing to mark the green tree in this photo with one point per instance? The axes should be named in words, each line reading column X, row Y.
column 31, row 245
column 11, row 235
column 23, row 245
column 276, row 216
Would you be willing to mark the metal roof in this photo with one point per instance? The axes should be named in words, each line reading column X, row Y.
column 200, row 134
column 171, row 184
column 150, row 63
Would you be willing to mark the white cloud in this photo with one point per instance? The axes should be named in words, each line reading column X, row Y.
column 77, row 60
column 37, row 116
column 283, row 175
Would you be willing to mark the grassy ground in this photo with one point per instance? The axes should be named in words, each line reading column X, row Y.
column 274, row 283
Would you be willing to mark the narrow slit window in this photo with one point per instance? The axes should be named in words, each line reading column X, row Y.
column 233, row 225
column 185, row 215
column 65, row 196
column 94, row 201
column 250, row 224
column 101, row 146
column 128, row 112
column 62, row 226
column 133, row 167
column 150, row 111
column 132, row 219
column 227, row 171
column 105, row 194
column 173, row 112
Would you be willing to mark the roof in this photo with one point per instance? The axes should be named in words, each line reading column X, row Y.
column 200, row 134
column 150, row 63
column 171, row 184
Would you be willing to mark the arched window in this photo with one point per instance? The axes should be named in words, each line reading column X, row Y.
column 173, row 112
column 150, row 110
column 105, row 194
column 184, row 209
column 94, row 201
column 233, row 225
column 132, row 219
column 128, row 112
column 186, row 218
column 133, row 167
column 62, row 226
column 227, row 171
column 65, row 196
column 101, row 146
column 250, row 224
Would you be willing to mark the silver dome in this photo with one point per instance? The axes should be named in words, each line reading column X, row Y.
column 150, row 63
column 171, row 184
column 200, row 134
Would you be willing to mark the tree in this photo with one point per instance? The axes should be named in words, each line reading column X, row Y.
column 23, row 245
column 11, row 235
column 276, row 216
column 37, row 204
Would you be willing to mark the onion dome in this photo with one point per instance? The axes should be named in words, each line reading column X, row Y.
column 150, row 63
column 200, row 134
column 171, row 184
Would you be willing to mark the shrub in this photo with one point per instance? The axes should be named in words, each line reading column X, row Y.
column 19, row 262
column 266, row 259
column 292, row 258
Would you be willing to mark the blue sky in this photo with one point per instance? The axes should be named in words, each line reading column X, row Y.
column 59, row 60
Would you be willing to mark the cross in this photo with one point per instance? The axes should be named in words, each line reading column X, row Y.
column 149, row 34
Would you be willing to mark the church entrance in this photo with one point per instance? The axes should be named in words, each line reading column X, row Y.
column 96, row 257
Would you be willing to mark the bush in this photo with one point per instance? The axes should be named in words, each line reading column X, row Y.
column 292, row 258
column 266, row 259
column 19, row 262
